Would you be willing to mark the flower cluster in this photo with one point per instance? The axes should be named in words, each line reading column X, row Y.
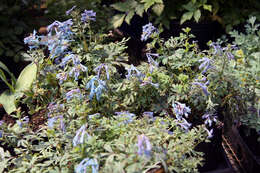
column 88, row 15
column 144, row 145
column 85, row 163
column 148, row 30
column 202, row 85
column 96, row 90
column 52, row 120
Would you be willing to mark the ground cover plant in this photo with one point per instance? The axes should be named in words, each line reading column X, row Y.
column 103, row 114
column 100, row 109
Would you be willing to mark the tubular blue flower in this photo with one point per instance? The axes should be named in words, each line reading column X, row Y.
column 80, row 136
column 98, row 70
column 54, row 108
column 76, row 70
column 132, row 69
column 24, row 120
column 218, row 49
column 184, row 124
column 68, row 58
column 209, row 118
column 148, row 30
column 144, row 145
column 73, row 93
column 63, row 27
column 96, row 90
column 203, row 86
column 210, row 133
column 151, row 61
column 62, row 77
column 88, row 15
column 148, row 81
column 205, row 65
column 229, row 55
column 32, row 40
column 125, row 116
column 70, row 10
column 52, row 120
column 180, row 110
column 82, row 167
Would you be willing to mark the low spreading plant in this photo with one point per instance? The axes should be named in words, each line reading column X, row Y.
column 99, row 108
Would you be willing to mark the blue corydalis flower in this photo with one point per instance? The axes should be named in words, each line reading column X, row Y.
column 126, row 116
column 96, row 90
column 53, row 120
column 80, row 135
column 148, row 30
column 209, row 118
column 144, row 145
column 88, row 15
column 24, row 120
column 133, row 71
column 151, row 61
column 77, row 69
column 63, row 27
column 82, row 167
column 180, row 110
column 217, row 49
column 32, row 40
column 203, row 86
column 62, row 77
column 70, row 10
column 73, row 93
column 68, row 58
column 184, row 124
column 210, row 132
column 98, row 70
column 205, row 65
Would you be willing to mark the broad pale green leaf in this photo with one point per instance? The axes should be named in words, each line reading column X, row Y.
column 139, row 10
column 186, row 16
column 197, row 15
column 150, row 3
column 7, row 99
column 207, row 7
column 158, row 9
column 121, row 6
column 125, row 6
column 117, row 20
column 129, row 17
column 26, row 78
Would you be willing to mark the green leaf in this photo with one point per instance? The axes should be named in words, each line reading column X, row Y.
column 3, row 78
column 186, row 16
column 26, row 78
column 197, row 15
column 129, row 17
column 158, row 9
column 121, row 6
column 207, row 7
column 117, row 20
column 125, row 6
column 150, row 3
column 139, row 10
column 3, row 66
column 7, row 99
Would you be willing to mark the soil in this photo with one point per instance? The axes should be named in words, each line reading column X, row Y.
column 36, row 120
